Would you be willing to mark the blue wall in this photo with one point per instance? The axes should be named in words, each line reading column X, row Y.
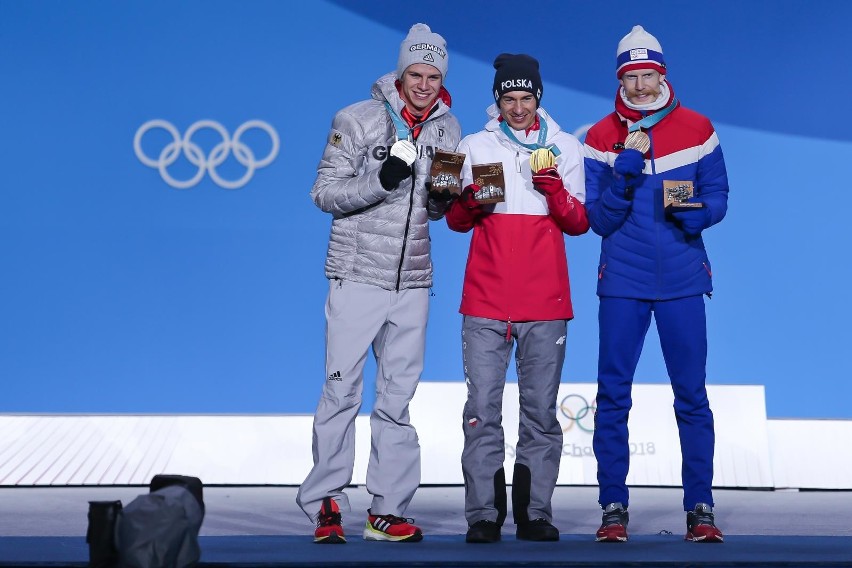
column 121, row 293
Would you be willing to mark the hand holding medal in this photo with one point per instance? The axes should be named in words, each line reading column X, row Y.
column 541, row 159
column 546, row 178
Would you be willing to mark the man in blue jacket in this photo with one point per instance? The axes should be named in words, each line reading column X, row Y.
column 653, row 262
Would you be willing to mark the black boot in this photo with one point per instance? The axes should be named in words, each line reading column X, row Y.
column 489, row 531
column 483, row 531
column 536, row 529
column 539, row 530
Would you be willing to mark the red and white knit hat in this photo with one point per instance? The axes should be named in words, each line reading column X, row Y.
column 639, row 50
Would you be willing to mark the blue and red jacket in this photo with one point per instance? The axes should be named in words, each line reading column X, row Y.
column 645, row 254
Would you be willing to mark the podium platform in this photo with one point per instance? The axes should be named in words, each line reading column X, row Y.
column 263, row 527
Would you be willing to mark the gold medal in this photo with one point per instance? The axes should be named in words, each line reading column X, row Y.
column 542, row 159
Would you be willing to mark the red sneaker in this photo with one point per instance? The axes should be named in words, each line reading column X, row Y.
column 614, row 524
column 700, row 525
column 329, row 529
column 391, row 528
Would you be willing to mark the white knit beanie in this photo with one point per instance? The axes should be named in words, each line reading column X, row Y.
column 639, row 50
column 422, row 45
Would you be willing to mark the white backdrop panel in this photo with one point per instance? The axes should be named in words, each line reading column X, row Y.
column 260, row 450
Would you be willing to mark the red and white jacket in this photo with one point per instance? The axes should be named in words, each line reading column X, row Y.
column 516, row 268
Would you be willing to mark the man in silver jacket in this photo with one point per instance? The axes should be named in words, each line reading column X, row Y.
column 373, row 179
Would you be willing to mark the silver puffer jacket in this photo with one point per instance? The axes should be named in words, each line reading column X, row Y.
column 379, row 237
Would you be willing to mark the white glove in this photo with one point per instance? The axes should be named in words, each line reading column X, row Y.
column 405, row 151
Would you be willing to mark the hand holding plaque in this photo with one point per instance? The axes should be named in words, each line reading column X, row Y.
column 446, row 172
column 680, row 204
column 489, row 177
column 693, row 220
column 677, row 196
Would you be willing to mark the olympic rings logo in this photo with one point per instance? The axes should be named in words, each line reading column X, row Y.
column 183, row 145
column 578, row 411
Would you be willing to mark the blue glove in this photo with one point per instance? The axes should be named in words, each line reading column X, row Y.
column 630, row 163
column 622, row 188
column 693, row 221
column 628, row 166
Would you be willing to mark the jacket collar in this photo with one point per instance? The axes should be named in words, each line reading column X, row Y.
column 385, row 89
column 629, row 115
column 493, row 123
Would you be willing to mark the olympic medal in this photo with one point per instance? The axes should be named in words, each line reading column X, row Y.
column 638, row 140
column 541, row 159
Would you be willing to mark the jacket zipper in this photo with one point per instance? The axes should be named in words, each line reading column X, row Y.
column 657, row 225
column 405, row 233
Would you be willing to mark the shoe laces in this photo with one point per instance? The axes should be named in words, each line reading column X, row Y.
column 702, row 515
column 614, row 514
column 394, row 520
column 329, row 518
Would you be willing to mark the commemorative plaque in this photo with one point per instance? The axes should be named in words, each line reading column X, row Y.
column 446, row 171
column 489, row 177
column 676, row 196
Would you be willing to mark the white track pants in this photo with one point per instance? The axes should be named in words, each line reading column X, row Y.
column 359, row 316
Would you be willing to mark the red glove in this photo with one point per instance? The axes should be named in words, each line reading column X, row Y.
column 548, row 181
column 467, row 199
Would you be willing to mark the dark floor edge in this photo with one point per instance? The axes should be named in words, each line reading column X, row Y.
column 326, row 563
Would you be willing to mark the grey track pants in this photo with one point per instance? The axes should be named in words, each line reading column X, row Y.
column 394, row 323
column 540, row 354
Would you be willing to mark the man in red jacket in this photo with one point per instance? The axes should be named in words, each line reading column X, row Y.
column 516, row 290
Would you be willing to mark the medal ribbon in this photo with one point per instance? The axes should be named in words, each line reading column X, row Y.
column 542, row 137
column 650, row 121
column 403, row 131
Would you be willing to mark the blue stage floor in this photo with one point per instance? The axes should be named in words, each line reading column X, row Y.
column 441, row 550
column 262, row 527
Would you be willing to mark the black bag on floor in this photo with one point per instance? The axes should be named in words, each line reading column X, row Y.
column 160, row 529
column 100, row 535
